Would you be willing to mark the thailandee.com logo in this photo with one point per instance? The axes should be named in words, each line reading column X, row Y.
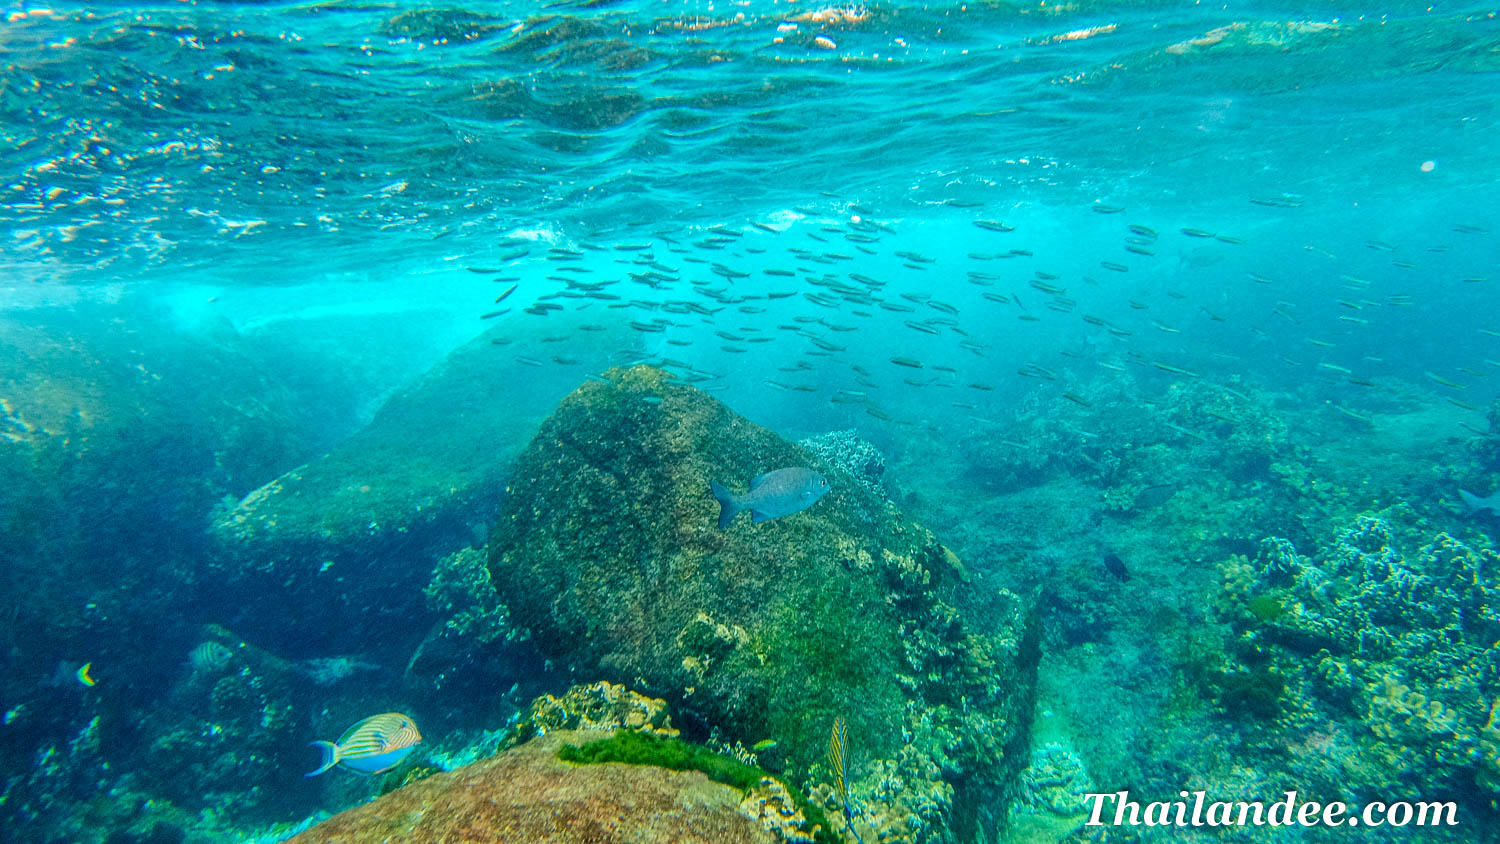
column 1194, row 809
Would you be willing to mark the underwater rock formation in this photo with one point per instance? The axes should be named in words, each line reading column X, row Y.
column 472, row 647
column 352, row 536
column 528, row 794
column 113, row 451
column 1375, row 664
column 1053, row 795
column 113, row 448
column 611, row 556
column 228, row 730
column 1486, row 447
column 597, row 706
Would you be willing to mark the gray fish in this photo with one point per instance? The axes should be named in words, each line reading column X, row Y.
column 777, row 493
column 1475, row 504
column 1154, row 496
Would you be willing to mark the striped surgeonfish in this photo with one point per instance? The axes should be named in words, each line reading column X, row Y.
column 838, row 745
column 209, row 657
column 373, row 746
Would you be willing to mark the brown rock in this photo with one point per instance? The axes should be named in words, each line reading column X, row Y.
column 528, row 795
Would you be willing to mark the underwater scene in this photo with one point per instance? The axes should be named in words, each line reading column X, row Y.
column 998, row 422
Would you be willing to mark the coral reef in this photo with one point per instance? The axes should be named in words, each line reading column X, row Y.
column 1139, row 453
column 228, row 737
column 113, row 450
column 609, row 537
column 461, row 589
column 769, row 802
column 862, row 461
column 597, row 706
column 1051, row 801
column 1055, row 781
column 1376, row 661
column 529, row 794
column 471, row 647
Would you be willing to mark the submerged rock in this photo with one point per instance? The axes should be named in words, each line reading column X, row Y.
column 528, row 794
column 350, row 539
column 610, row 553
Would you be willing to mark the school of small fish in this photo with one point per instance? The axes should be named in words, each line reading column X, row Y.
column 811, row 296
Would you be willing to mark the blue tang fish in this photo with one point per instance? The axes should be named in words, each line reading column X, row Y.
column 373, row 746
column 777, row 493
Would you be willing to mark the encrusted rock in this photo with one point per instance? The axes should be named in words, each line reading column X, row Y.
column 598, row 706
column 771, row 805
column 527, row 794
column 610, row 551
column 852, row 453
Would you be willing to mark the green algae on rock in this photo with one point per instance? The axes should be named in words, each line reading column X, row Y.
column 793, row 818
column 528, row 794
column 609, row 545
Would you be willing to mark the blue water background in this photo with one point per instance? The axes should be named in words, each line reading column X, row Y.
column 181, row 153
column 342, row 185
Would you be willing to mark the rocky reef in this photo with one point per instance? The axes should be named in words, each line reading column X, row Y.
column 613, row 561
column 118, row 434
column 528, row 794
column 1372, row 665
column 620, row 748
column 341, row 533
column 596, row 706
column 471, row 648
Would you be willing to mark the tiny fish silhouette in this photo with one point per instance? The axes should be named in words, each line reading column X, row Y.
column 1116, row 566
column 781, row 492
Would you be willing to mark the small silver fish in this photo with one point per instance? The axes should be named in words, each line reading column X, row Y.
column 776, row 493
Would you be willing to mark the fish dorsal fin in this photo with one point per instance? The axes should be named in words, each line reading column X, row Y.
column 756, row 481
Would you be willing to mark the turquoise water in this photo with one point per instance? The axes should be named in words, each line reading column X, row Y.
column 1156, row 279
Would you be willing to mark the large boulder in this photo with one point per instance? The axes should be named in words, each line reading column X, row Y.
column 529, row 795
column 351, row 537
column 608, row 551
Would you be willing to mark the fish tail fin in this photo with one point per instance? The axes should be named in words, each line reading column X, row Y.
column 1471, row 501
column 330, row 756
column 849, row 819
column 729, row 507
